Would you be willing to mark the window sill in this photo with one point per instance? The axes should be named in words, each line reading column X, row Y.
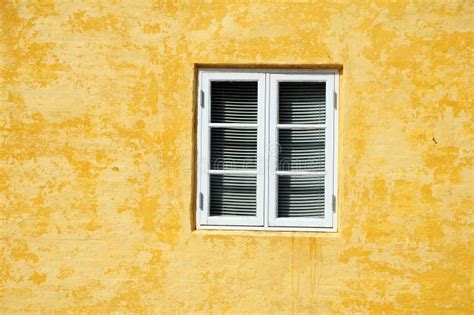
column 230, row 231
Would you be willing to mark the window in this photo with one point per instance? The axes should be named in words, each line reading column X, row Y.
column 267, row 150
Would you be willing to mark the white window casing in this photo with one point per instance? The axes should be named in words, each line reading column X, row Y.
column 267, row 150
column 207, row 127
column 301, row 173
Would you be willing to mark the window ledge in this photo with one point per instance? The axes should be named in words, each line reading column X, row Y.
column 268, row 233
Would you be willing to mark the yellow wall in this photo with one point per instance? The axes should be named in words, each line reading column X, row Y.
column 97, row 143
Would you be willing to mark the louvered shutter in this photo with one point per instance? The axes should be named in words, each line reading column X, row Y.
column 301, row 123
column 233, row 140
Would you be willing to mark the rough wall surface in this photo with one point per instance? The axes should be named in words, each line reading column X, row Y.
column 97, row 150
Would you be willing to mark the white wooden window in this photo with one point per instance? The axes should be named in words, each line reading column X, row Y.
column 267, row 150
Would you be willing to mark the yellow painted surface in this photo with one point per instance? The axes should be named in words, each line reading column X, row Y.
column 97, row 155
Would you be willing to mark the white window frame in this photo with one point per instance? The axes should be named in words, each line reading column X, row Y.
column 267, row 133
column 205, row 172
column 275, row 79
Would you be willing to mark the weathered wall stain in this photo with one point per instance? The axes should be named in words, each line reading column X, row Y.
column 97, row 114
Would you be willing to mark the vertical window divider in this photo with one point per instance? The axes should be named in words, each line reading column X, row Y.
column 274, row 150
column 261, row 129
column 267, row 145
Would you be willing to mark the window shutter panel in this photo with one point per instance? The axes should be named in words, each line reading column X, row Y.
column 234, row 141
column 302, row 102
column 300, row 185
column 233, row 195
column 301, row 149
column 300, row 196
column 234, row 102
column 233, row 148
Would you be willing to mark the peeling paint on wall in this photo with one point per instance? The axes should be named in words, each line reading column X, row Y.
column 96, row 170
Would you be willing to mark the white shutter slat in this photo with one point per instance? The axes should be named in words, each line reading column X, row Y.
column 233, row 148
column 301, row 150
column 302, row 102
column 300, row 196
column 233, row 195
column 234, row 101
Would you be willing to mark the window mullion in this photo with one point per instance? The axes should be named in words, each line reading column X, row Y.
column 267, row 149
column 273, row 149
column 261, row 151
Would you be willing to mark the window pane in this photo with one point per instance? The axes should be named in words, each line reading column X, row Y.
column 233, row 148
column 300, row 196
column 301, row 149
column 234, row 102
column 302, row 102
column 233, row 195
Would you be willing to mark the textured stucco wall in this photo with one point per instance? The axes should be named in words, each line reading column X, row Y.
column 97, row 143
